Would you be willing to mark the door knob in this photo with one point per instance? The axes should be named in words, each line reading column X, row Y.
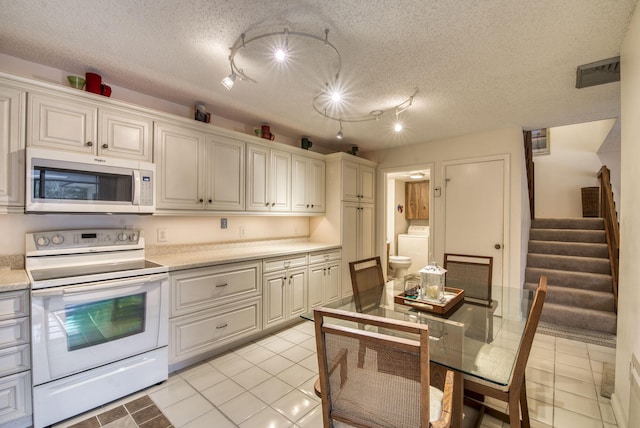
column 497, row 246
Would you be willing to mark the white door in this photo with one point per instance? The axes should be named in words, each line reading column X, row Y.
column 474, row 211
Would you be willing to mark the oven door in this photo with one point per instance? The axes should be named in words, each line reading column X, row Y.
column 75, row 328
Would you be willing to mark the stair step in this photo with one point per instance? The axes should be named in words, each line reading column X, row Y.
column 569, row 263
column 588, row 319
column 569, row 248
column 568, row 235
column 561, row 278
column 586, row 299
column 568, row 223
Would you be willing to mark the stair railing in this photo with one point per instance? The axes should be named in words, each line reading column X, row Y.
column 528, row 158
column 608, row 214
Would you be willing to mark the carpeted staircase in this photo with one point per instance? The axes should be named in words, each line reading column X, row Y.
column 573, row 255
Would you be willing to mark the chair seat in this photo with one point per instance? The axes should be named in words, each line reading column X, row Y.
column 350, row 398
column 493, row 363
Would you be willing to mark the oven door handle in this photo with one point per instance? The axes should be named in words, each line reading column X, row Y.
column 96, row 286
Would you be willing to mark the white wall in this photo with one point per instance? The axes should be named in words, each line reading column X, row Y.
column 572, row 164
column 180, row 229
column 629, row 280
column 501, row 142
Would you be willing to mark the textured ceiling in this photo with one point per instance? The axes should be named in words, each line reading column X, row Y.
column 478, row 64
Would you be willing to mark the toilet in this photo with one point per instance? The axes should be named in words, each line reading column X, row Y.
column 400, row 265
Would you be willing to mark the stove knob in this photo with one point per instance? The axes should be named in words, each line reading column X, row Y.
column 57, row 239
column 122, row 236
column 133, row 236
column 42, row 241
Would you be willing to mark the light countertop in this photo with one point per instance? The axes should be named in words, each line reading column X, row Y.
column 13, row 279
column 188, row 257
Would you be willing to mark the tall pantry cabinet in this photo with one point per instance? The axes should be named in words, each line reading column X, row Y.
column 350, row 210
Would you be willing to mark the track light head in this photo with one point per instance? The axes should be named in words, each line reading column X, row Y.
column 229, row 81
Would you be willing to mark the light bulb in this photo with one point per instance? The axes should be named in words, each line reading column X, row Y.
column 229, row 80
column 397, row 127
column 339, row 135
column 281, row 55
column 336, row 96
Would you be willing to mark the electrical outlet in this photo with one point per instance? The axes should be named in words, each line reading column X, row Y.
column 223, row 223
column 242, row 231
column 162, row 234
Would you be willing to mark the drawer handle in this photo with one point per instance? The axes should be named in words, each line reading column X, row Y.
column 222, row 326
column 221, row 285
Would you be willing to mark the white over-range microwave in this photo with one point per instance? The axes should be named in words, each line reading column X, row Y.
column 67, row 182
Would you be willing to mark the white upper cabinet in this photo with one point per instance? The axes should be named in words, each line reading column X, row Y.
column 307, row 184
column 225, row 174
column 358, row 182
column 81, row 126
column 179, row 158
column 268, row 179
column 12, row 143
column 198, row 171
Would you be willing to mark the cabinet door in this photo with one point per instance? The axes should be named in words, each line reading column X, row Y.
column 124, row 135
column 15, row 391
column 296, row 292
column 350, row 189
column 280, row 189
column 62, row 124
column 274, row 298
column 258, row 166
column 316, row 284
column 366, row 231
column 225, row 174
column 367, row 183
column 331, row 288
column 417, row 200
column 179, row 158
column 350, row 214
column 316, row 185
column 299, row 185
column 13, row 104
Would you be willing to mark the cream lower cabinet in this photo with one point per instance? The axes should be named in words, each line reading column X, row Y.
column 325, row 271
column 284, row 294
column 212, row 307
column 13, row 104
column 15, row 360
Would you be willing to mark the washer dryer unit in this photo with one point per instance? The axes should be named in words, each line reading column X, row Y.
column 415, row 244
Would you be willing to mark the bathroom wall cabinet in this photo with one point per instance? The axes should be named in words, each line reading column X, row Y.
column 417, row 200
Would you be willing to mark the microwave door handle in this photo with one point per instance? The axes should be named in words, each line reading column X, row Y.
column 136, row 187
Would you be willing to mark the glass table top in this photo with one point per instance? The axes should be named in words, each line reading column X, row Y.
column 475, row 339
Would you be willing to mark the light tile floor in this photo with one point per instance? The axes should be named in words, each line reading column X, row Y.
column 269, row 383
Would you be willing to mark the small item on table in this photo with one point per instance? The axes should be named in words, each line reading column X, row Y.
column 412, row 286
column 432, row 282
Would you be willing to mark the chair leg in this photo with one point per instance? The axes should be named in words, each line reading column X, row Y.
column 524, row 407
column 514, row 411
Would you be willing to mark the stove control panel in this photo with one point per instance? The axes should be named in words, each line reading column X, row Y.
column 88, row 238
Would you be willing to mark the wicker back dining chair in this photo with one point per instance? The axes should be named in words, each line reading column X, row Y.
column 392, row 388
column 473, row 274
column 367, row 282
column 514, row 393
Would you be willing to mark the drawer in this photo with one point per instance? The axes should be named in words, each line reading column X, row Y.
column 14, row 332
column 15, row 360
column 15, row 391
column 14, row 304
column 272, row 265
column 197, row 289
column 195, row 334
column 324, row 256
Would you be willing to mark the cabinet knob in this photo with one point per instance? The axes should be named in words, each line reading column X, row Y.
column 209, row 201
column 273, row 204
column 267, row 204
column 89, row 143
column 307, row 205
column 201, row 200
column 312, row 205
column 105, row 146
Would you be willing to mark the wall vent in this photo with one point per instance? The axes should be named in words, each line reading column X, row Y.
column 598, row 73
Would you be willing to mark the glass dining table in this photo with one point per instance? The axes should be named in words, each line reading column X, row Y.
column 472, row 338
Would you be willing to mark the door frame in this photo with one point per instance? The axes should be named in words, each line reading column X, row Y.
column 381, row 207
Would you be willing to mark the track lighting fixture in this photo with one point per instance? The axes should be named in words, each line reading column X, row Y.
column 329, row 99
